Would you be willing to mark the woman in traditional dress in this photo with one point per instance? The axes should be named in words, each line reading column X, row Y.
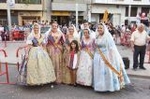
column 109, row 72
column 84, row 72
column 54, row 40
column 71, row 35
column 39, row 66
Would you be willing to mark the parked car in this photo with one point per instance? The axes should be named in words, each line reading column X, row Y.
column 18, row 35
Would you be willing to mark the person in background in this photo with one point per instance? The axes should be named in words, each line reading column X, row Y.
column 148, row 49
column 133, row 27
column 138, row 44
column 86, row 25
column 64, row 29
column 1, row 31
column 148, row 46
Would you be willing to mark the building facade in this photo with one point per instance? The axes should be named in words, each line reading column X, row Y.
column 120, row 10
column 64, row 11
column 23, row 11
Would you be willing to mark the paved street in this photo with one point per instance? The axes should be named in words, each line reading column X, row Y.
column 140, row 87
column 124, row 51
column 139, row 90
column 127, row 52
column 19, row 18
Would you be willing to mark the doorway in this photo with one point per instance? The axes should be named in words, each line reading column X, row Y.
column 29, row 19
column 62, row 20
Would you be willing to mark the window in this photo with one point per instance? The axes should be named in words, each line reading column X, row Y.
column 28, row 1
column 2, row 1
column 3, row 20
column 145, row 9
column 133, row 11
column 126, row 11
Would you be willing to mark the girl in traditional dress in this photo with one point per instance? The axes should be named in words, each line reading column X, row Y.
column 73, row 60
column 54, row 40
column 109, row 72
column 84, row 72
column 71, row 35
column 39, row 68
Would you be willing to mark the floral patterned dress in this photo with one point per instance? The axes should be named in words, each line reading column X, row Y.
column 55, row 50
column 39, row 66
column 104, row 78
column 84, row 72
column 66, row 70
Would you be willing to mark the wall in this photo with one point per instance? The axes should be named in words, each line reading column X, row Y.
column 37, row 7
column 28, row 14
column 123, row 2
column 95, row 18
column 68, row 7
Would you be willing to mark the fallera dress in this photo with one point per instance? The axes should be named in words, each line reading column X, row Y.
column 39, row 69
column 104, row 79
column 55, row 51
column 84, row 72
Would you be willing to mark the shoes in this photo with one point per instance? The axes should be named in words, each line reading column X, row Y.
column 52, row 86
column 75, row 85
column 142, row 68
column 135, row 69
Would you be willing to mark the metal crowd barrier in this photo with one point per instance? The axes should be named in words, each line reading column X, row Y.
column 17, row 54
column 5, row 72
column 147, row 57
